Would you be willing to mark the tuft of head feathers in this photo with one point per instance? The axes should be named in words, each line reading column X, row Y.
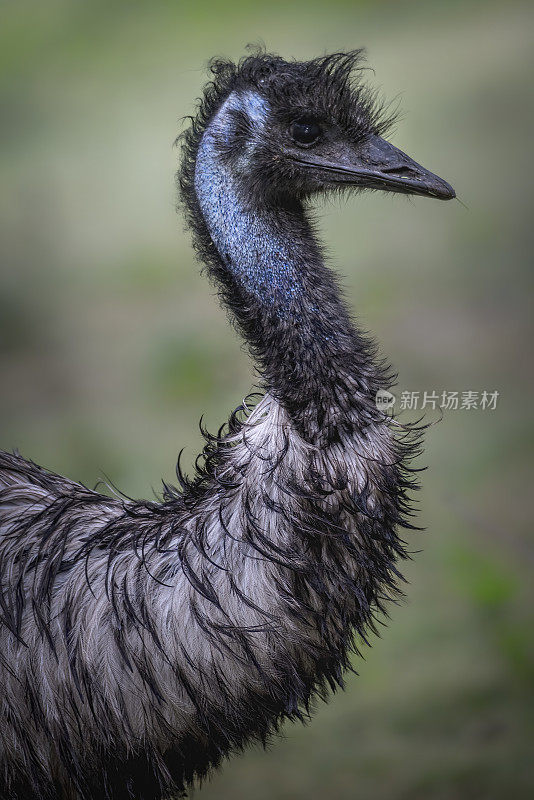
column 328, row 86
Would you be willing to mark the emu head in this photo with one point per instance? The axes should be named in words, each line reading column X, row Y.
column 297, row 128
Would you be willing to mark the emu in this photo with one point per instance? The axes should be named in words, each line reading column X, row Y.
column 142, row 642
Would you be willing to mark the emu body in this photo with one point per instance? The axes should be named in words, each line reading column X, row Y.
column 141, row 642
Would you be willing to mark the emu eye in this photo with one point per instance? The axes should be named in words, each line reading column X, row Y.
column 305, row 131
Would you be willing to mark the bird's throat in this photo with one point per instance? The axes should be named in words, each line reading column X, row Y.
column 253, row 242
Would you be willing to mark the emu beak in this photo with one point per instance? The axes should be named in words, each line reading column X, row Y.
column 380, row 165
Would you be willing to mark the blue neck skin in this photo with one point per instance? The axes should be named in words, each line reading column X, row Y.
column 251, row 242
column 277, row 266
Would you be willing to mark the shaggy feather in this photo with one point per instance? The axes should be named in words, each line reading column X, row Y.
column 142, row 642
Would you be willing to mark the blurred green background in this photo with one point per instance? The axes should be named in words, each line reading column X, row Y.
column 112, row 345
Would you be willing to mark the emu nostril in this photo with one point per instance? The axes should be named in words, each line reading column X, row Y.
column 402, row 172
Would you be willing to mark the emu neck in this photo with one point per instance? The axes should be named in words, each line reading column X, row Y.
column 313, row 360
